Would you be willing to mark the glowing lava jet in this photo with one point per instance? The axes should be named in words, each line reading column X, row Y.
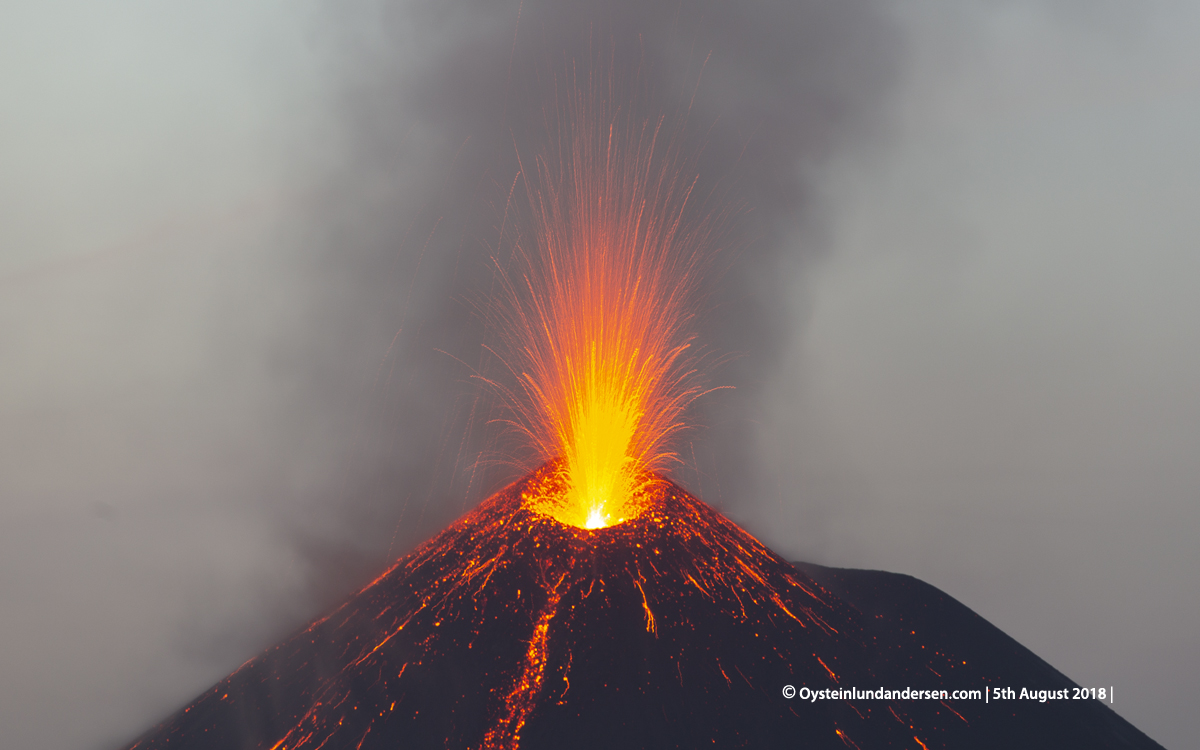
column 596, row 317
column 594, row 603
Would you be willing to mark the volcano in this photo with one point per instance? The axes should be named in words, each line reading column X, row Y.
column 674, row 629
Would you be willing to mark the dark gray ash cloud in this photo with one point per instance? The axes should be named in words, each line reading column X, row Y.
column 440, row 100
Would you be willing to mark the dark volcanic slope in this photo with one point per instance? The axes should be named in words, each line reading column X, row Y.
column 918, row 626
column 675, row 629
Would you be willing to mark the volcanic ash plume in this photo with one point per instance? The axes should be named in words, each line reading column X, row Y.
column 447, row 101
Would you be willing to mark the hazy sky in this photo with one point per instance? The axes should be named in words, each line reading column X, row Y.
column 983, row 372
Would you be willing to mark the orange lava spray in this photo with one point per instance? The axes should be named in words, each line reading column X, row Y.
column 599, row 314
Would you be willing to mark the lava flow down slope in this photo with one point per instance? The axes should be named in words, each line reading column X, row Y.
column 674, row 629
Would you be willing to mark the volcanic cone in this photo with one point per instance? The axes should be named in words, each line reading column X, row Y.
column 674, row 629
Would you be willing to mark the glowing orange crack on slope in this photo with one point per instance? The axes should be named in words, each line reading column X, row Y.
column 505, row 734
column 650, row 625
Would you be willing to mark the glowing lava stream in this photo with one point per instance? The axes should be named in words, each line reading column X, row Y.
column 596, row 318
column 522, row 698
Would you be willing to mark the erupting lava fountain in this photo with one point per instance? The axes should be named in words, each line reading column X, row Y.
column 594, row 603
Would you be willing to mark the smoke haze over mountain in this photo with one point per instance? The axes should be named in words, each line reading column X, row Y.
column 448, row 98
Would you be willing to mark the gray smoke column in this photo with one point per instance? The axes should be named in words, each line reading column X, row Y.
column 440, row 99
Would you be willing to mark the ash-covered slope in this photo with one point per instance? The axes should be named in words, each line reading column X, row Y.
column 674, row 629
